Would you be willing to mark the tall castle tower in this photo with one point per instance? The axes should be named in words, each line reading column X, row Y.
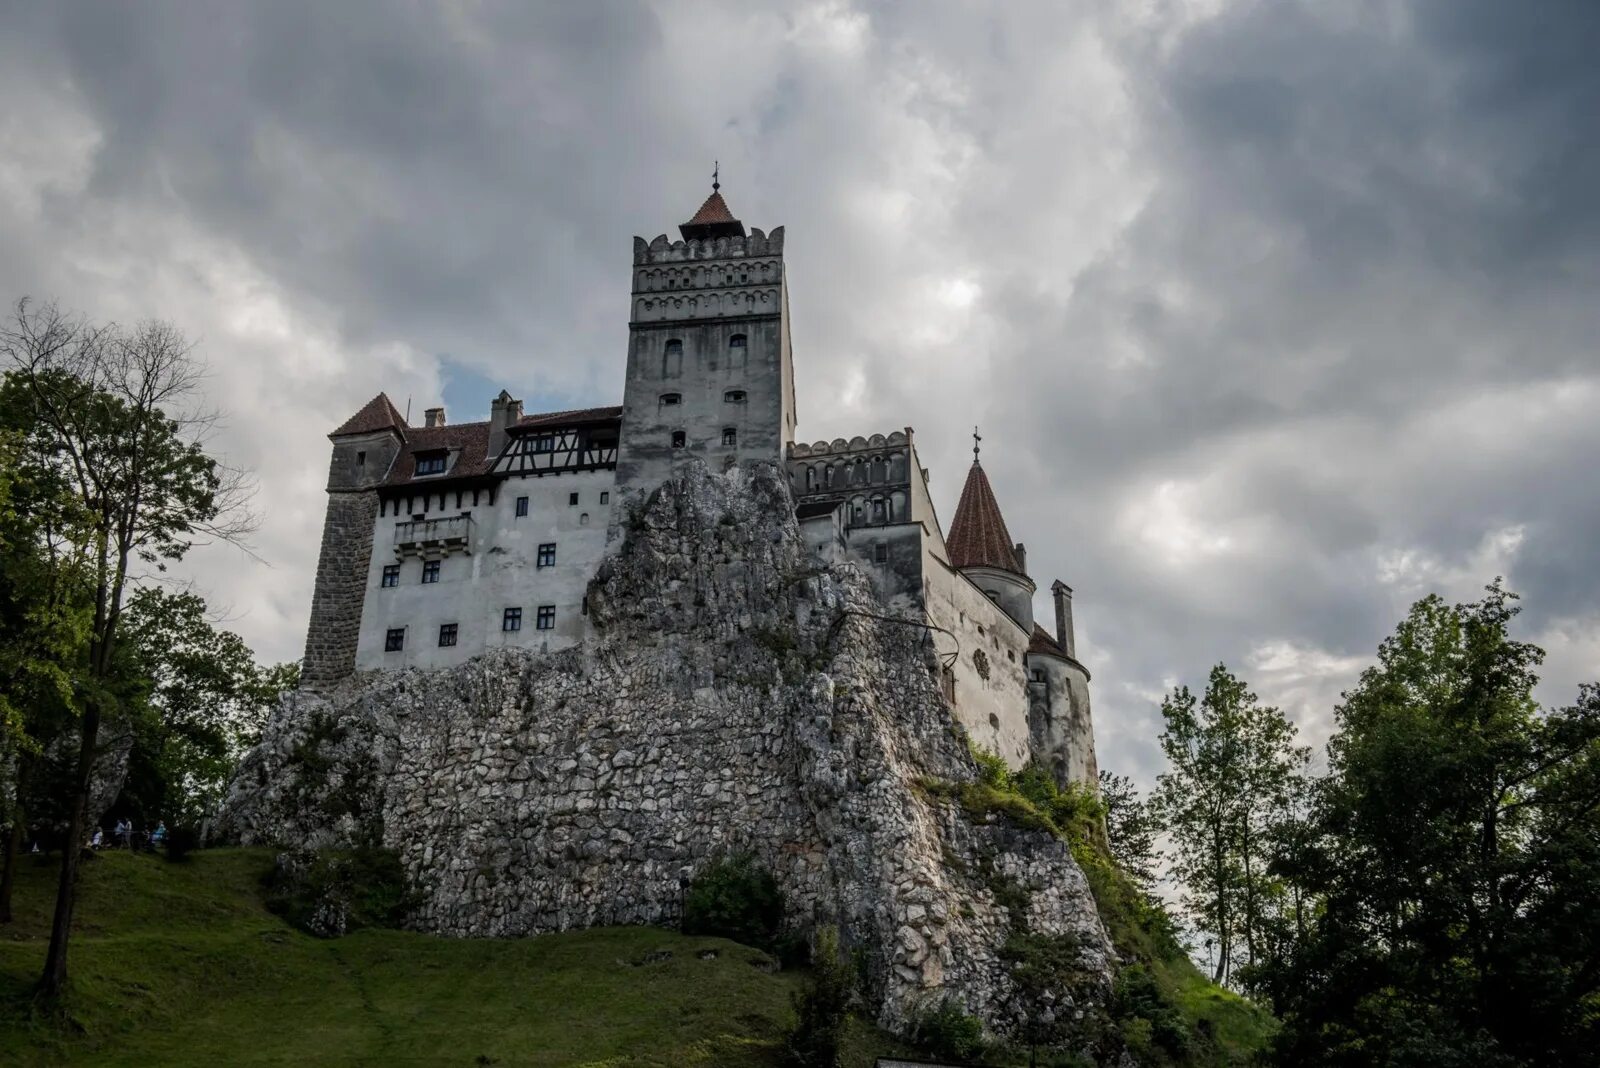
column 709, row 368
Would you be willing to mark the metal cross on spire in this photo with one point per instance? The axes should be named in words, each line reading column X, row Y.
column 976, row 439
column 716, row 171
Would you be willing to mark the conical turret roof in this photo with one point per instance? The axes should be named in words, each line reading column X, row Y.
column 379, row 413
column 978, row 536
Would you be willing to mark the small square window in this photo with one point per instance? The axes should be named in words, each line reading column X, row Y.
column 547, row 617
column 730, row 437
column 391, row 575
column 544, row 443
column 880, row 553
column 547, row 554
column 512, row 620
column 572, row 498
column 733, row 396
column 430, row 571
column 394, row 640
column 605, row 496
column 522, row 507
column 447, row 635
column 679, row 439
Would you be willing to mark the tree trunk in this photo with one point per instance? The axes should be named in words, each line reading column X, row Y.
column 54, row 981
column 8, row 878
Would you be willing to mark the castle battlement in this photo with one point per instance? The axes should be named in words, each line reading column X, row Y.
column 663, row 249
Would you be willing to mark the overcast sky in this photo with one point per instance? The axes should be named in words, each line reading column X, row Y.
column 1276, row 315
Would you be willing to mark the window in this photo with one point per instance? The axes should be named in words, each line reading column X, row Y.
column 361, row 459
column 391, row 575
column 547, row 554
column 672, row 359
column 431, row 464
column 583, row 519
column 394, row 639
column 512, row 620
column 733, row 396
column 544, row 443
column 671, row 398
column 430, row 571
column 880, row 553
column 730, row 437
column 993, row 596
column 547, row 617
column 572, row 499
column 522, row 507
column 605, row 496
column 447, row 635
column 679, row 440
column 736, row 350
column 878, row 514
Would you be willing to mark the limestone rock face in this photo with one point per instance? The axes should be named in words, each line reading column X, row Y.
column 734, row 696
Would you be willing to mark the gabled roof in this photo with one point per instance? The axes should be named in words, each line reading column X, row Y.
column 712, row 220
column 377, row 414
column 572, row 416
column 470, row 441
column 978, row 536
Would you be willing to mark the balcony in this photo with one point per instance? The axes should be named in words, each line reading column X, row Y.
column 433, row 537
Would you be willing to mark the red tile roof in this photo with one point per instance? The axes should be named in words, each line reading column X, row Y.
column 1044, row 642
column 978, row 535
column 714, row 210
column 472, row 441
column 377, row 414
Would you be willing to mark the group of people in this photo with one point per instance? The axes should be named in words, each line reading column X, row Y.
column 125, row 836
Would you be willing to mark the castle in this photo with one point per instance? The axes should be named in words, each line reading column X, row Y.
column 447, row 540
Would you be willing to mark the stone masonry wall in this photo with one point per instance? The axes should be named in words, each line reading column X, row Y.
column 731, row 699
column 340, row 591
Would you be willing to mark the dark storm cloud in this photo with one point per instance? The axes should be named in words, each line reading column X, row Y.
column 1276, row 316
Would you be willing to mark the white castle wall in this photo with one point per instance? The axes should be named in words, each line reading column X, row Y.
column 501, row 571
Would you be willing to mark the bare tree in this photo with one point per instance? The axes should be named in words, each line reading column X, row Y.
column 114, row 407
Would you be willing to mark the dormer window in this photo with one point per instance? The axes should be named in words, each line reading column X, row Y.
column 544, row 443
column 432, row 463
column 668, row 399
column 733, row 396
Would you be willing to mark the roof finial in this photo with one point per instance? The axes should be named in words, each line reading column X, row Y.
column 976, row 439
column 716, row 171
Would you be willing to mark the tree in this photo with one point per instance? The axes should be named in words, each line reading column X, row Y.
column 1233, row 767
column 207, row 700
column 1453, row 859
column 1132, row 827
column 108, row 407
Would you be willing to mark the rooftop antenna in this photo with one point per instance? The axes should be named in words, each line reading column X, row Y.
column 716, row 171
column 408, row 410
column 976, row 438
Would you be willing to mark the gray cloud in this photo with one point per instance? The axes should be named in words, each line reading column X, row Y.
column 1277, row 315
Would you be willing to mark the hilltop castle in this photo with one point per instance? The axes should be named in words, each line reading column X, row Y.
column 444, row 541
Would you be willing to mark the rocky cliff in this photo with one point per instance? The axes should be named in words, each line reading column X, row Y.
column 734, row 697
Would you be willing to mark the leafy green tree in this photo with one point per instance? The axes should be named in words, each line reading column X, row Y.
column 1132, row 827
column 1453, row 859
column 1233, row 768
column 207, row 699
column 107, row 405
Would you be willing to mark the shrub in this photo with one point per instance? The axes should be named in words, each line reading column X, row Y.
column 992, row 770
column 1149, row 1019
column 182, row 840
column 735, row 898
column 822, row 1008
column 949, row 1033
column 331, row 894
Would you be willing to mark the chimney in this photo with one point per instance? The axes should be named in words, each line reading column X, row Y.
column 1064, row 636
column 503, row 412
column 1022, row 557
column 433, row 417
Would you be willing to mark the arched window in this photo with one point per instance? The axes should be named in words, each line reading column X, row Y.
column 880, row 513
column 877, row 469
column 736, row 351
column 672, row 359
column 730, row 437
column 832, row 471
column 811, row 479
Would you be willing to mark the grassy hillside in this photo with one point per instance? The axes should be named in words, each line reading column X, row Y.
column 180, row 964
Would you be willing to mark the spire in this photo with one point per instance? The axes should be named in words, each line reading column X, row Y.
column 713, row 219
column 978, row 535
column 377, row 414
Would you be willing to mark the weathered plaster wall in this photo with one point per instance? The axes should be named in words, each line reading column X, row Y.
column 500, row 571
column 734, row 696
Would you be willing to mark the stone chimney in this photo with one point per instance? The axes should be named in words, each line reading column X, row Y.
column 433, row 417
column 1064, row 636
column 503, row 412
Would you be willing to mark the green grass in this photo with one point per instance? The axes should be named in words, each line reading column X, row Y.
column 180, row 964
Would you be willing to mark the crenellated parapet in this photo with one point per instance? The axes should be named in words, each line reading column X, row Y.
column 733, row 246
